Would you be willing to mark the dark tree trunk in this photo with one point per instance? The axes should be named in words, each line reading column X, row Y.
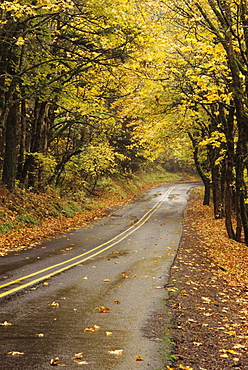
column 10, row 157
column 203, row 176
column 22, row 140
column 38, row 143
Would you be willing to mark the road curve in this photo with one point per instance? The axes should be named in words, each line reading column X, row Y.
column 52, row 293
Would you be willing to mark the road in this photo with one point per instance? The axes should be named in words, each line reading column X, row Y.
column 52, row 296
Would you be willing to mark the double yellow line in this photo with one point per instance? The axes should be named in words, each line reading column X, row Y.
column 81, row 258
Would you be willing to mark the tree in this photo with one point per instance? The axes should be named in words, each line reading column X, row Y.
column 208, row 68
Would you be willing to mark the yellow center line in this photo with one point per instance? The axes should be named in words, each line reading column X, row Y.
column 113, row 242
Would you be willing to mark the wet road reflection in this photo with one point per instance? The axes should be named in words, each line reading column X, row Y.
column 50, row 318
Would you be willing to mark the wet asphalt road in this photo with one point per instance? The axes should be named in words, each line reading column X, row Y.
column 50, row 294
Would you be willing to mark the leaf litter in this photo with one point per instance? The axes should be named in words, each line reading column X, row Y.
column 209, row 324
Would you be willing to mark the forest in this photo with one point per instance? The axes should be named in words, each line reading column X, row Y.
column 93, row 88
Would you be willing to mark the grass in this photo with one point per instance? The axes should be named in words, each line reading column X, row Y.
column 27, row 208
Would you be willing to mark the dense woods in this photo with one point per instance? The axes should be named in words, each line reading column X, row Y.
column 90, row 89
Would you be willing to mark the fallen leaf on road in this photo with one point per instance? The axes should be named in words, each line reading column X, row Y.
column 116, row 352
column 54, row 361
column 78, row 356
column 108, row 333
column 101, row 309
column 5, row 323
column 158, row 287
column 85, row 278
column 117, row 302
column 81, row 362
column 54, row 304
column 40, row 335
column 92, row 328
column 106, row 280
column 15, row 353
column 138, row 358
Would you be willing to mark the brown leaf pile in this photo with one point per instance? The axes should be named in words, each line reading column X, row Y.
column 229, row 255
column 208, row 295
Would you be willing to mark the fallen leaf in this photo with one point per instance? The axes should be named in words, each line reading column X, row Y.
column 206, row 299
column 232, row 352
column 40, row 335
column 106, row 280
column 158, row 287
column 81, row 362
column 15, row 353
column 85, row 278
column 138, row 358
column 54, row 361
column 108, row 333
column 116, row 352
column 54, row 304
column 117, row 302
column 78, row 356
column 101, row 309
column 5, row 323
column 232, row 332
column 92, row 328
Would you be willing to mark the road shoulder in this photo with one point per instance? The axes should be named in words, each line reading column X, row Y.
column 209, row 308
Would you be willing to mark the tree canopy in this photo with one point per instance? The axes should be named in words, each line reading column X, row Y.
column 95, row 88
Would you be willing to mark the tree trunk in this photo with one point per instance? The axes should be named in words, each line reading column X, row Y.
column 22, row 135
column 206, row 180
column 10, row 157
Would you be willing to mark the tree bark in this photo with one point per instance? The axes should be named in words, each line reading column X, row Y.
column 10, row 158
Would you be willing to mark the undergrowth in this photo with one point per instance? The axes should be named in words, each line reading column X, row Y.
column 24, row 208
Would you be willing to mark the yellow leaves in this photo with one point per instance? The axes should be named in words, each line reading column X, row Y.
column 78, row 356
column 101, row 309
column 206, row 300
column 138, row 358
column 54, row 304
column 226, row 352
column 5, row 323
column 185, row 367
column 20, row 41
column 15, row 353
column 117, row 352
column 231, row 332
column 54, row 361
column 92, row 329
